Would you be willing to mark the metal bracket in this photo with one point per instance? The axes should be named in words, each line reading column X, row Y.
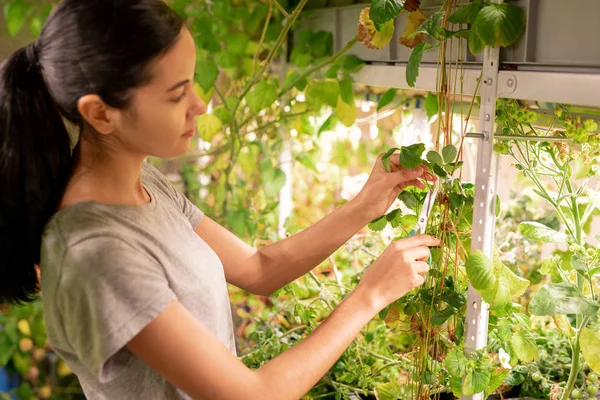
column 507, row 83
column 525, row 138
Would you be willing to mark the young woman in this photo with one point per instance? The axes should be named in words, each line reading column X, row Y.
column 133, row 276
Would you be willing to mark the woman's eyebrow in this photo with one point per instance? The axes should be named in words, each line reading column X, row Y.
column 178, row 84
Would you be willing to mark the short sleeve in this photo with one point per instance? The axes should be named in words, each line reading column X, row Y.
column 189, row 209
column 108, row 293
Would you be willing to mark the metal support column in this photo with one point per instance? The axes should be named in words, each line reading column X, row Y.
column 484, row 215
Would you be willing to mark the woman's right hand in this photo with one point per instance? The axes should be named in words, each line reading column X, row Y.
column 398, row 270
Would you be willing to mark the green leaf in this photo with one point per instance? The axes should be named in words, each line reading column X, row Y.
column 385, row 160
column 332, row 71
column 15, row 13
column 507, row 285
column 439, row 171
column 345, row 112
column 496, row 380
column 541, row 233
column 524, row 346
column 35, row 25
column 517, row 285
column 515, row 377
column 433, row 26
column 476, row 45
column 499, row 24
column 414, row 60
column 300, row 58
column 578, row 263
column 207, row 73
column 351, row 63
column 7, row 347
column 466, row 14
column 25, row 391
column 439, row 317
column 434, row 158
column 291, row 77
column 394, row 217
column 410, row 156
column 237, row 221
column 208, row 126
column 257, row 19
column 476, row 381
column 394, row 391
column 378, row 224
column 21, row 363
column 561, row 298
column 387, row 98
column 480, row 271
column 409, row 199
column 273, row 181
column 328, row 124
column 456, row 386
column 408, row 221
column 456, row 363
column 262, row 96
column 590, row 347
column 382, row 11
column 431, row 105
column 449, row 153
column 237, row 43
column 320, row 92
column 455, row 299
column 306, row 160
column 321, row 44
column 383, row 313
column 347, row 92
column 223, row 114
column 204, row 34
column 226, row 60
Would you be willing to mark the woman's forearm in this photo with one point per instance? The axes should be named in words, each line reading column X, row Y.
column 284, row 261
column 291, row 374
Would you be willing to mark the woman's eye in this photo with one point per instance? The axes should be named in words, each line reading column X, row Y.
column 178, row 99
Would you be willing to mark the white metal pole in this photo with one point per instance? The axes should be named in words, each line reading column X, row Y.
column 484, row 215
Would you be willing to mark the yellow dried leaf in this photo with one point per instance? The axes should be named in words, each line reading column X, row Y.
column 369, row 35
column 415, row 19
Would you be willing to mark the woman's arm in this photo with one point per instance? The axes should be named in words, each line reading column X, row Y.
column 265, row 270
column 183, row 351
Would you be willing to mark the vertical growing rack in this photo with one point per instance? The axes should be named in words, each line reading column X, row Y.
column 546, row 65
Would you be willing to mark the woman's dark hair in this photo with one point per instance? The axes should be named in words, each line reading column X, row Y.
column 101, row 47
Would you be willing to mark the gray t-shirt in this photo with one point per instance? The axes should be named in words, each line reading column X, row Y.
column 109, row 270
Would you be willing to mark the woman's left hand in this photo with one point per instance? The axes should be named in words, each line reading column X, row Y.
column 383, row 187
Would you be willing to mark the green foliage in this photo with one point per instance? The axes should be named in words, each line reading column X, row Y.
column 386, row 99
column 496, row 25
column 24, row 351
column 480, row 271
column 382, row 11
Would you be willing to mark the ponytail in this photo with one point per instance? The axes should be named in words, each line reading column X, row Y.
column 35, row 164
column 39, row 86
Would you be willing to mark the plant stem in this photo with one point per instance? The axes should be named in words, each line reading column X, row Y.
column 271, row 54
column 581, row 322
column 218, row 92
column 262, row 37
column 320, row 65
column 281, row 9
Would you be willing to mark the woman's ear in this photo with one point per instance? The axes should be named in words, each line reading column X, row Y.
column 102, row 118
